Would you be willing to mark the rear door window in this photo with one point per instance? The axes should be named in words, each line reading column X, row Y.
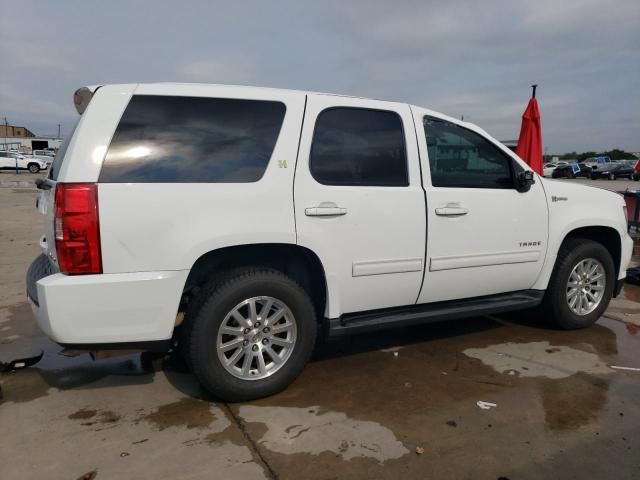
column 359, row 147
column 168, row 139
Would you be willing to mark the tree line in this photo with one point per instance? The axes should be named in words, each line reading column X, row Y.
column 615, row 154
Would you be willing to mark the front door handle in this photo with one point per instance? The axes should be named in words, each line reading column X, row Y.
column 451, row 210
column 325, row 209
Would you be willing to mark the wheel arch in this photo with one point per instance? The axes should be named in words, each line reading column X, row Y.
column 608, row 236
column 299, row 263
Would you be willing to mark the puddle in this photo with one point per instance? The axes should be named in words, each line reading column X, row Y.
column 627, row 341
column 306, row 430
column 573, row 403
column 631, row 292
column 187, row 412
column 91, row 417
column 538, row 359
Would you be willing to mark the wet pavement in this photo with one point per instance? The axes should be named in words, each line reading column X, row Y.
column 395, row 404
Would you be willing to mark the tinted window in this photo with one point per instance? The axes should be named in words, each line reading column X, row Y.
column 188, row 139
column 461, row 158
column 353, row 146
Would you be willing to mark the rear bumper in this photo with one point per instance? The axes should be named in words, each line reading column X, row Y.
column 107, row 308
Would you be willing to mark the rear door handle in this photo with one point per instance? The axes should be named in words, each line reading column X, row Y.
column 451, row 210
column 325, row 209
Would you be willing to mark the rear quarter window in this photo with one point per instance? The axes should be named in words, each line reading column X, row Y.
column 59, row 157
column 165, row 139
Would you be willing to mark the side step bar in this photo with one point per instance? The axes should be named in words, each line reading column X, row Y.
column 433, row 312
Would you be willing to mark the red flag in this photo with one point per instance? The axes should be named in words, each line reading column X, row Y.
column 530, row 141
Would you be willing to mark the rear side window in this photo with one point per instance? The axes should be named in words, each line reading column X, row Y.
column 359, row 147
column 461, row 158
column 162, row 139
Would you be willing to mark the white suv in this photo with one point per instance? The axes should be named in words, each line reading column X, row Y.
column 13, row 160
column 238, row 223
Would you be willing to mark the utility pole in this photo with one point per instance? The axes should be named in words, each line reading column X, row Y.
column 6, row 141
column 58, row 130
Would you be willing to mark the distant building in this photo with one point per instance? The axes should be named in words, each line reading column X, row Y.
column 13, row 137
column 11, row 131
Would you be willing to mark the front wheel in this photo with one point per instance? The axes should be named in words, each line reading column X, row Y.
column 252, row 335
column 581, row 285
column 612, row 176
column 33, row 168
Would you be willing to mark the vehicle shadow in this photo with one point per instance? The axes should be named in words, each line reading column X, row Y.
column 327, row 348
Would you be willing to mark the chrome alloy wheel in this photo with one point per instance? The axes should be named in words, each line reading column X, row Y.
column 585, row 287
column 256, row 338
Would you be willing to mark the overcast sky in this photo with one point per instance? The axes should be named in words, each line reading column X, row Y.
column 475, row 59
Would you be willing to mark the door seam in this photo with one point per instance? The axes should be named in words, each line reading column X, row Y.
column 295, row 170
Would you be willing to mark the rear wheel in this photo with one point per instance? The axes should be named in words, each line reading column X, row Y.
column 252, row 335
column 581, row 285
column 612, row 176
column 33, row 167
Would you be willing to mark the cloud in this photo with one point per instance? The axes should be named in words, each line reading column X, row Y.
column 230, row 70
column 469, row 58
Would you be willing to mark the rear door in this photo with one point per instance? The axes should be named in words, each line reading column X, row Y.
column 484, row 237
column 359, row 203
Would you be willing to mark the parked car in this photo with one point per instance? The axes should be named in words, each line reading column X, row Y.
column 613, row 171
column 47, row 153
column 572, row 170
column 288, row 214
column 596, row 161
column 45, row 158
column 13, row 160
column 548, row 168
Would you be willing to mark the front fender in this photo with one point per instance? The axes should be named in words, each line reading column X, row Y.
column 573, row 206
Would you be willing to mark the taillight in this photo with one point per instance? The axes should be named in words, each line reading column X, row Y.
column 77, row 228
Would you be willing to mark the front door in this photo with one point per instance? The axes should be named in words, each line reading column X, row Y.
column 359, row 203
column 485, row 237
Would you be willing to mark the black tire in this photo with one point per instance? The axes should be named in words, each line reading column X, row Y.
column 612, row 176
column 216, row 301
column 33, row 167
column 555, row 306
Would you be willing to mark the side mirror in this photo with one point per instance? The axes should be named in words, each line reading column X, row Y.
column 524, row 180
